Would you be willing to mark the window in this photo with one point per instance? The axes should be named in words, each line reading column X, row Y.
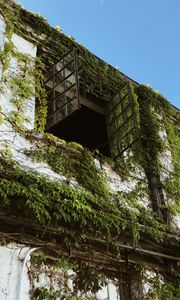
column 109, row 127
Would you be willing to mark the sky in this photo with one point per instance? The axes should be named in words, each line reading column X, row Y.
column 140, row 37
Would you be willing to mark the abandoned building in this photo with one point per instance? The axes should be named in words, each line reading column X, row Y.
column 89, row 173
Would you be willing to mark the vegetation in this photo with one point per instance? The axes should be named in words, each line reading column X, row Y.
column 90, row 209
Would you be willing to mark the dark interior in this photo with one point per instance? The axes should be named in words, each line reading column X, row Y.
column 86, row 127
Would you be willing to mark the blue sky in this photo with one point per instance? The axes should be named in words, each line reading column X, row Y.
column 141, row 37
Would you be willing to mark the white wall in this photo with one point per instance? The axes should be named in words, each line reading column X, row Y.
column 23, row 47
column 11, row 265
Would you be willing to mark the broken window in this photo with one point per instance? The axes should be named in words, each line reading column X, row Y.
column 108, row 127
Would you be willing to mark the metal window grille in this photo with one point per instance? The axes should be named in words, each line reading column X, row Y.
column 121, row 122
column 62, row 88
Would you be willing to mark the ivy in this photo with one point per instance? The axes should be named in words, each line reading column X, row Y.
column 25, row 84
column 5, row 55
column 78, row 209
column 161, row 289
column 41, row 96
column 173, row 182
column 150, row 147
column 86, row 281
column 45, row 293
column 88, row 209
column 79, row 165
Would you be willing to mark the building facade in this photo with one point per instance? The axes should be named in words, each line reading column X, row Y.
column 89, row 174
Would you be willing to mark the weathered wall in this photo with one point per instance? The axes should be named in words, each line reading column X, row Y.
column 14, row 283
column 22, row 47
column 9, row 138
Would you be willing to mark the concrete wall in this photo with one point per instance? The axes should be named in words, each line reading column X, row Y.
column 14, row 283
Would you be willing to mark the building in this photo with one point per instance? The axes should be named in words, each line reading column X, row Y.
column 89, row 173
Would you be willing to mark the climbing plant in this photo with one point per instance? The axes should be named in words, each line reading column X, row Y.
column 83, row 206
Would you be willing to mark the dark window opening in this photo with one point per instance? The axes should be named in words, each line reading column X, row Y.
column 86, row 127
